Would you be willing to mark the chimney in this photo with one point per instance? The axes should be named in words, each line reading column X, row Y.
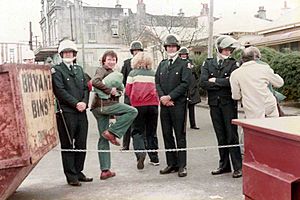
column 285, row 4
column 118, row 5
column 181, row 13
column 261, row 13
column 204, row 10
column 285, row 8
column 141, row 8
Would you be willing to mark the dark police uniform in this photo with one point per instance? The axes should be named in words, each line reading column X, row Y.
column 222, row 109
column 174, row 80
column 193, row 95
column 70, row 87
column 125, row 71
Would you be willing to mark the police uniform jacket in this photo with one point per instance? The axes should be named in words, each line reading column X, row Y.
column 173, row 80
column 126, row 68
column 69, row 86
column 219, row 91
column 194, row 93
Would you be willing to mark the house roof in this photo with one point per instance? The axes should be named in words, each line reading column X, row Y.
column 239, row 22
column 288, row 20
column 292, row 36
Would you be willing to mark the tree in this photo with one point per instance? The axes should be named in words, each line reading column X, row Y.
column 185, row 27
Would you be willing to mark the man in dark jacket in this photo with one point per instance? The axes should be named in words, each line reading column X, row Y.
column 172, row 83
column 72, row 96
column 193, row 94
column 215, row 73
column 135, row 47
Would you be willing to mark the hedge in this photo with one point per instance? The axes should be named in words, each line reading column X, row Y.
column 287, row 65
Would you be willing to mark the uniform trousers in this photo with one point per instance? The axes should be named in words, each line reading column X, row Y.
column 174, row 118
column 77, row 125
column 227, row 134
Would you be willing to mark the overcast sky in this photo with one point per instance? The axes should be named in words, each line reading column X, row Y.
column 16, row 14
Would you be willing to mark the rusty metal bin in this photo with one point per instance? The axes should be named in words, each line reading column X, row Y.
column 271, row 166
column 27, row 122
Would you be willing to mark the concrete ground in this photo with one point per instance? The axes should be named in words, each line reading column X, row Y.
column 47, row 180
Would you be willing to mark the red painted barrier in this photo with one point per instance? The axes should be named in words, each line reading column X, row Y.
column 27, row 122
column 271, row 166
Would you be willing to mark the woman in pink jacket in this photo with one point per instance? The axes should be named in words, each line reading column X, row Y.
column 141, row 91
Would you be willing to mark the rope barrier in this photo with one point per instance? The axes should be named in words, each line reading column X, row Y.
column 150, row 150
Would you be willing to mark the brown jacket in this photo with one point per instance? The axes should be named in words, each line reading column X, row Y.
column 101, row 73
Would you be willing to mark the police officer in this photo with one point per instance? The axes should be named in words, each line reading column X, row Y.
column 172, row 82
column 71, row 92
column 194, row 94
column 215, row 73
column 135, row 47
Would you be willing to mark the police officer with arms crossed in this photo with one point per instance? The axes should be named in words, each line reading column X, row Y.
column 135, row 47
column 71, row 92
column 215, row 73
column 172, row 83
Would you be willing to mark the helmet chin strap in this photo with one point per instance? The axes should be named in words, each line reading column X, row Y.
column 223, row 57
column 172, row 55
column 69, row 60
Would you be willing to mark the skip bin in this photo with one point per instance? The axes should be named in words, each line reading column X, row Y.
column 271, row 166
column 27, row 122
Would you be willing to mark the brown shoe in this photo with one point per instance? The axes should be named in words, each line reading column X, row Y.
column 74, row 183
column 107, row 174
column 168, row 170
column 140, row 162
column 110, row 137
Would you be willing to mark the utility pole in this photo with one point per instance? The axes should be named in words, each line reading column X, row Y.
column 71, row 23
column 211, row 29
column 36, row 41
column 81, row 33
column 30, row 36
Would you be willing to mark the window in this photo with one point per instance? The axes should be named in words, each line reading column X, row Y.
column 295, row 46
column 11, row 55
column 44, row 34
column 91, row 29
column 115, row 28
column 283, row 47
column 114, row 23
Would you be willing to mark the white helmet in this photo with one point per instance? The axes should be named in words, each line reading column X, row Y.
column 67, row 45
column 226, row 41
column 28, row 55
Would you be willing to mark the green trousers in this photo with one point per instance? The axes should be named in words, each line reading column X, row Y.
column 125, row 115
